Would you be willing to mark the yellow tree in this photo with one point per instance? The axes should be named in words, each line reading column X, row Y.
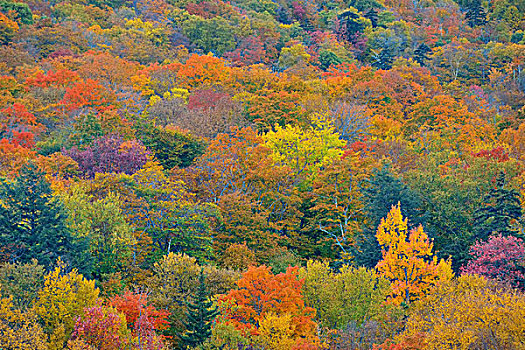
column 469, row 312
column 305, row 151
column 408, row 261
column 61, row 301
column 19, row 330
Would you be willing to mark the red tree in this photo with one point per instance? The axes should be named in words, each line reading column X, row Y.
column 501, row 258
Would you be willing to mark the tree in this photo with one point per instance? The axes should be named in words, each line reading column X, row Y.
column 501, row 259
column 381, row 192
column 142, row 317
column 215, row 35
column 408, row 261
column 18, row 126
column 33, row 223
column 328, row 58
column 469, row 313
column 103, row 223
column 200, row 316
column 336, row 213
column 260, row 293
column 475, row 14
column 103, row 328
column 22, row 11
column 421, row 54
column 8, row 29
column 340, row 298
column 110, row 154
column 175, row 279
column 61, row 301
column 18, row 329
column 21, row 282
column 171, row 146
column 500, row 212
column 305, row 151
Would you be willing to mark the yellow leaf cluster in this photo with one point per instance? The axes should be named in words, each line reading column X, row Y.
column 277, row 332
column 408, row 261
column 19, row 330
column 469, row 313
column 63, row 299
column 305, row 150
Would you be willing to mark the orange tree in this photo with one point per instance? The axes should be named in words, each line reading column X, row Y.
column 261, row 296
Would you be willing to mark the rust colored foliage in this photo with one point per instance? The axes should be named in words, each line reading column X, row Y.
column 18, row 126
column 141, row 317
column 260, row 293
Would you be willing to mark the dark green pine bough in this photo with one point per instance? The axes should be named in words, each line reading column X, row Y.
column 32, row 223
column 200, row 316
column 500, row 210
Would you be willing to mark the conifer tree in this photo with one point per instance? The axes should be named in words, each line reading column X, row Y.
column 421, row 53
column 32, row 222
column 500, row 210
column 475, row 15
column 200, row 315
column 383, row 191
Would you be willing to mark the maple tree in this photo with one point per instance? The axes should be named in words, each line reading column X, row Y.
column 500, row 258
column 144, row 319
column 260, row 294
column 103, row 328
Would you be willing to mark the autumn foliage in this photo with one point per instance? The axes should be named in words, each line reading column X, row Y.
column 325, row 174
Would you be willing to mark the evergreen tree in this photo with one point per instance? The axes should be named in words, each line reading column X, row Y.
column 350, row 23
column 373, row 16
column 327, row 58
column 383, row 59
column 32, row 222
column 501, row 208
column 200, row 315
column 475, row 15
column 383, row 191
column 421, row 54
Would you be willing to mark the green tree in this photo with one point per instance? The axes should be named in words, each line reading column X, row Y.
column 22, row 11
column 421, row 53
column 21, row 282
column 32, row 222
column 215, row 35
column 500, row 211
column 327, row 58
column 384, row 190
column 200, row 315
column 172, row 147
column 475, row 14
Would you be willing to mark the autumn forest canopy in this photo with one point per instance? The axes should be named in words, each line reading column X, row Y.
column 262, row 174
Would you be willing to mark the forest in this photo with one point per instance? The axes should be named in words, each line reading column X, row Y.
column 262, row 174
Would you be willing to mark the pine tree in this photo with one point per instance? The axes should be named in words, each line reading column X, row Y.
column 200, row 315
column 421, row 54
column 32, row 222
column 373, row 16
column 476, row 14
column 500, row 210
column 383, row 59
column 383, row 191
